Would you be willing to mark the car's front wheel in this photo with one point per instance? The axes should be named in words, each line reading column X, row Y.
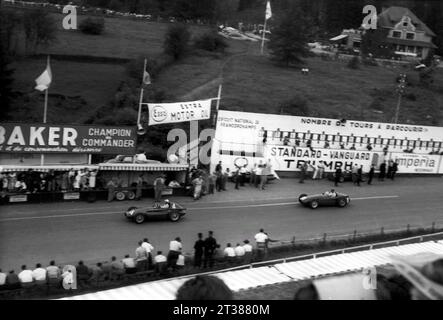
column 139, row 218
column 314, row 204
column 342, row 203
column 174, row 216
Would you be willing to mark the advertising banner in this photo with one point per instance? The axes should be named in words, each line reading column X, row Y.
column 18, row 198
column 52, row 138
column 417, row 163
column 161, row 113
column 285, row 158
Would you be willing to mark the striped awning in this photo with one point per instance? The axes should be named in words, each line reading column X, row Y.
column 142, row 167
column 47, row 168
column 282, row 272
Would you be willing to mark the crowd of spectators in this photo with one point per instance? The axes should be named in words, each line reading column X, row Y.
column 51, row 181
column 145, row 260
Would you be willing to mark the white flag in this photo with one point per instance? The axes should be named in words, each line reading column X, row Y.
column 146, row 78
column 268, row 10
column 44, row 81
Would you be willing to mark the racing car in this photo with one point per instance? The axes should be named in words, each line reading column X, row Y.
column 324, row 199
column 167, row 209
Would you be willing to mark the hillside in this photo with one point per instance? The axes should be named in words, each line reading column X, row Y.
column 251, row 82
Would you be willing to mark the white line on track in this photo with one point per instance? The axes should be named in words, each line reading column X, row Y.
column 190, row 208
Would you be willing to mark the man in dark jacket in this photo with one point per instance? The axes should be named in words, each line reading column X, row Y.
column 210, row 245
column 337, row 176
column 394, row 169
column 381, row 175
column 371, row 174
column 199, row 247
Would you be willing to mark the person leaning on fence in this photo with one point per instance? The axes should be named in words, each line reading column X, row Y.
column 210, row 246
column 160, row 263
column 53, row 273
column 141, row 257
column 199, row 247
column 26, row 278
column 248, row 251
column 175, row 248
column 149, row 248
column 261, row 239
column 129, row 265
column 117, row 269
column 39, row 275
column 229, row 253
column 239, row 253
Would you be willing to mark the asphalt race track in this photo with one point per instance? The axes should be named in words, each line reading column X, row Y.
column 68, row 232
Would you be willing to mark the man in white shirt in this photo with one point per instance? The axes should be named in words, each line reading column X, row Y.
column 149, row 250
column 248, row 251
column 160, row 263
column 239, row 252
column 39, row 274
column 261, row 239
column 129, row 264
column 2, row 279
column 175, row 248
column 25, row 277
column 229, row 253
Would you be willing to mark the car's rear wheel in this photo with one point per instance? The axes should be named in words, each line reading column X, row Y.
column 342, row 203
column 314, row 204
column 301, row 196
column 139, row 218
column 174, row 216
column 130, row 195
column 120, row 196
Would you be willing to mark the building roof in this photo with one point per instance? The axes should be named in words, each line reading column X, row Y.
column 407, row 42
column 393, row 15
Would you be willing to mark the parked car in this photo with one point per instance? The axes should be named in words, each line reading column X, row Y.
column 324, row 199
column 167, row 209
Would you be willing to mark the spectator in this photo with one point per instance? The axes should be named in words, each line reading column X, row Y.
column 96, row 273
column 360, row 174
column 342, row 146
column 68, row 279
column 389, row 174
column 204, row 288
column 253, row 177
column 149, row 248
column 117, row 269
column 111, row 185
column 20, row 186
column 159, row 186
column 371, row 174
column 264, row 176
column 369, row 147
column 53, row 273
column 248, row 251
column 129, row 264
column 326, row 146
column 355, row 179
column 382, row 173
column 180, row 262
column 199, row 247
column 141, row 257
column 83, row 273
column 303, row 171
column 160, row 262
column 352, row 147
column 39, row 274
column 25, row 277
column 261, row 239
column 229, row 253
column 139, row 187
column 385, row 150
column 210, row 245
column 239, row 253
column 106, row 270
column 175, row 248
column 224, row 179
column 286, row 141
column 12, row 281
column 92, row 179
column 197, row 183
column 212, row 179
column 2, row 280
column 337, row 176
column 394, row 169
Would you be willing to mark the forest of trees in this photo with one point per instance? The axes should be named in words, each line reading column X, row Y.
column 328, row 17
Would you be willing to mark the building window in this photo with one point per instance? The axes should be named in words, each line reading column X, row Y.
column 396, row 34
column 410, row 35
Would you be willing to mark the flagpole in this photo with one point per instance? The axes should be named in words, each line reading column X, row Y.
column 218, row 103
column 263, row 36
column 141, row 96
column 45, row 110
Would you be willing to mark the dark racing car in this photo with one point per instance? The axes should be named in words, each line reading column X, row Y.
column 168, row 209
column 329, row 198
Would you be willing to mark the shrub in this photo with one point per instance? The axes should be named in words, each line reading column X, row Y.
column 211, row 41
column 176, row 41
column 295, row 106
column 354, row 63
column 93, row 26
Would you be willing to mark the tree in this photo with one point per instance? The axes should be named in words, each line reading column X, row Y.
column 373, row 43
column 176, row 41
column 39, row 28
column 288, row 43
column 6, row 81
